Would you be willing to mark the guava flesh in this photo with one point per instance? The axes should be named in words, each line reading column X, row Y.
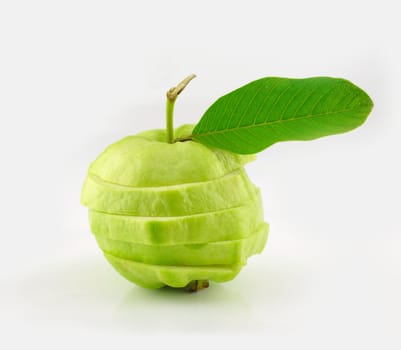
column 233, row 223
column 171, row 214
column 177, row 200
column 214, row 253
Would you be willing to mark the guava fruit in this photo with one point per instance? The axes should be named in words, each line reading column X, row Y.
column 169, row 214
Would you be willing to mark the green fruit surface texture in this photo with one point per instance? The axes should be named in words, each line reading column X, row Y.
column 168, row 214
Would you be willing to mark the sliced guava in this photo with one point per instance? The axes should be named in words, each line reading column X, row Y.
column 157, row 276
column 177, row 200
column 214, row 253
column 147, row 160
column 222, row 225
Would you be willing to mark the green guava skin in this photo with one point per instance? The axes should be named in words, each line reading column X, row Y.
column 168, row 214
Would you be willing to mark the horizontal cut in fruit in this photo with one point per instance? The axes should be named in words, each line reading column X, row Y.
column 157, row 276
column 140, row 161
column 215, row 253
column 178, row 200
column 223, row 225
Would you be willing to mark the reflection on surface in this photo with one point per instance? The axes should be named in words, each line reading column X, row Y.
column 87, row 292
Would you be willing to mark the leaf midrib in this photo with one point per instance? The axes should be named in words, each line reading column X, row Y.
column 278, row 121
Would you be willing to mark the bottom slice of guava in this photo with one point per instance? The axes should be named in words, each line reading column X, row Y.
column 158, row 276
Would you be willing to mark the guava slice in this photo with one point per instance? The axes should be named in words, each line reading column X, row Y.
column 157, row 276
column 222, row 225
column 177, row 200
column 147, row 160
column 215, row 253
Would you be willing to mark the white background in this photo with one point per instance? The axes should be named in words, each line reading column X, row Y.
column 76, row 76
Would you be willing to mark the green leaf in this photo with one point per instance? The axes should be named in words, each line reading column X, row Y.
column 270, row 110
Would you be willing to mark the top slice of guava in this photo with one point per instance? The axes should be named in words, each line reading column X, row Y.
column 147, row 160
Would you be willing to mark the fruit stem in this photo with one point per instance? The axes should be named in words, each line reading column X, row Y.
column 169, row 120
column 172, row 95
